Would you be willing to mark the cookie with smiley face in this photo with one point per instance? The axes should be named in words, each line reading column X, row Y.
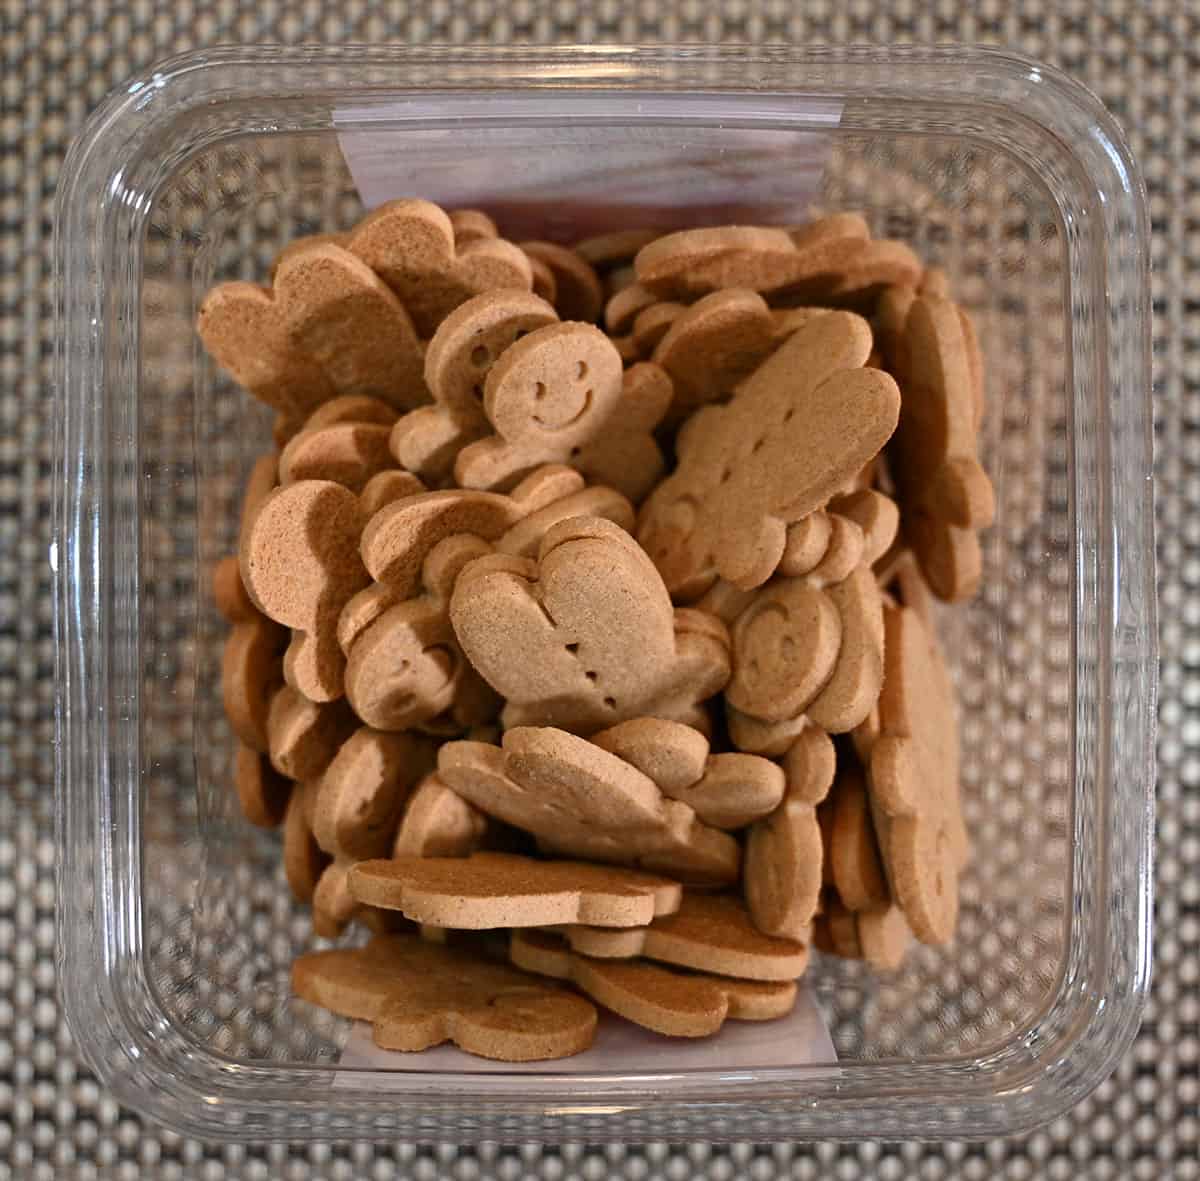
column 561, row 395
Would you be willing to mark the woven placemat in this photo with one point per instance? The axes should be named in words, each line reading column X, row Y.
column 58, row 61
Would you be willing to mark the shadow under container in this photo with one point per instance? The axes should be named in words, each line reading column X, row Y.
column 177, row 930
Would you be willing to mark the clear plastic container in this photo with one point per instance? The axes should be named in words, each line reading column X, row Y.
column 177, row 930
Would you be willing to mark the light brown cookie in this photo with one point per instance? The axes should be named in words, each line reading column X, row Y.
column 560, row 395
column 304, row 243
column 709, row 932
column 300, row 564
column 944, row 493
column 782, row 874
column 410, row 244
column 671, row 1003
column 348, row 453
column 607, row 252
column 913, row 779
column 854, row 528
column 438, row 822
column 337, row 311
column 880, row 936
column 624, row 306
column 579, row 295
column 800, row 649
column 618, row 279
column 469, row 225
column 303, row 859
column 582, row 801
column 386, row 486
column 262, row 792
column 363, row 791
column 229, row 593
column 525, row 537
column 830, row 260
column 405, row 667
column 653, row 323
column 397, row 542
column 244, row 331
column 251, row 672
column 724, row 790
column 464, row 347
column 710, row 347
column 800, row 426
column 419, row 994
column 352, row 408
column 585, row 636
column 544, row 285
column 899, row 575
column 488, row 890
column 303, row 736
column 851, row 849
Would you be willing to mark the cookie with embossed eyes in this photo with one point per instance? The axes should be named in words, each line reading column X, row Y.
column 561, row 395
column 797, row 431
column 585, row 636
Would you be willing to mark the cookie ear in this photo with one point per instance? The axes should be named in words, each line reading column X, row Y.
column 242, row 329
column 344, row 316
column 410, row 244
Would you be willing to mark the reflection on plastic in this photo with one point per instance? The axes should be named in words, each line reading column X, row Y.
column 800, row 1039
column 568, row 179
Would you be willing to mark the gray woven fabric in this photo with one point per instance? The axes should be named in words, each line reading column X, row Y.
column 55, row 1120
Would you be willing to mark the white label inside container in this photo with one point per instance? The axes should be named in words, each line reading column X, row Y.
column 800, row 1039
column 601, row 164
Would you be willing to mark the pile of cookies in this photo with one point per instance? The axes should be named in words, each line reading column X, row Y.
column 582, row 636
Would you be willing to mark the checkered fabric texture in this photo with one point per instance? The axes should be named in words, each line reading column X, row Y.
column 60, row 59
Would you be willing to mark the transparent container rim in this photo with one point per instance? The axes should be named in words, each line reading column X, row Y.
column 105, row 191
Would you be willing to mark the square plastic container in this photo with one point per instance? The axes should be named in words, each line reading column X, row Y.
column 177, row 930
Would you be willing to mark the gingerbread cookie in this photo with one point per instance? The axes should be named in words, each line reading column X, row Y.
column 303, row 736
column 303, row 859
column 262, row 792
column 581, row 801
column 616, row 249
column 830, row 260
column 488, row 890
column 585, row 636
column 348, row 453
column 851, row 850
column 709, row 348
column 469, row 225
column 578, row 294
column 880, row 936
column 709, row 932
column 405, row 666
column 300, row 564
column 913, row 779
column 782, row 876
column 341, row 315
column 251, row 673
column 411, row 245
column 559, row 395
column 438, row 822
column 671, row 1003
column 363, row 790
column 463, row 349
column 944, row 493
column 724, row 790
column 799, row 650
column 244, row 331
column 419, row 994
column 800, row 426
